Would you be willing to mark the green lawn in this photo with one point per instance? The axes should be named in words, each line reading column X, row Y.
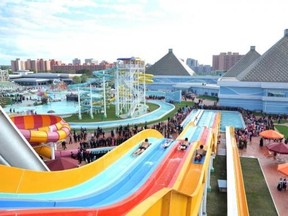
column 100, row 117
column 111, row 114
column 282, row 129
column 258, row 197
column 217, row 201
column 207, row 97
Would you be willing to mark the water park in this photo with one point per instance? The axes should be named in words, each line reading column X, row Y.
column 162, row 180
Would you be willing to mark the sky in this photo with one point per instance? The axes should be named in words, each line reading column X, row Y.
column 111, row 29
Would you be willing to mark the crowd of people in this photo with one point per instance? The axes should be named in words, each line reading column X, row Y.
column 101, row 138
column 170, row 129
column 254, row 126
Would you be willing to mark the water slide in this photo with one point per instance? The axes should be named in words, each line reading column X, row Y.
column 109, row 190
column 174, row 158
column 236, row 195
column 159, row 179
column 38, row 129
column 16, row 180
column 185, row 196
column 12, row 142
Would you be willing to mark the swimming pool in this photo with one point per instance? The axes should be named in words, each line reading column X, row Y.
column 228, row 118
column 58, row 107
column 231, row 118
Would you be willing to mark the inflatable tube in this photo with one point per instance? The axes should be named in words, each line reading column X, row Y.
column 42, row 128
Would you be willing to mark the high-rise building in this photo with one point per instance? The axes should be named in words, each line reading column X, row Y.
column 54, row 62
column 91, row 61
column 198, row 68
column 17, row 65
column 76, row 61
column 192, row 63
column 224, row 61
column 33, row 64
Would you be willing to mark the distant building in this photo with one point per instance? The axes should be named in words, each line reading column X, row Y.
column 170, row 65
column 199, row 69
column 17, row 65
column 4, row 75
column 76, row 61
column 28, row 78
column 192, row 63
column 74, row 68
column 203, row 69
column 42, row 65
column 91, row 61
column 224, row 61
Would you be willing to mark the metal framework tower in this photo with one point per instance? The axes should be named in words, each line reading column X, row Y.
column 130, row 87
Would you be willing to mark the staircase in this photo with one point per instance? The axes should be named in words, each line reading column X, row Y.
column 222, row 144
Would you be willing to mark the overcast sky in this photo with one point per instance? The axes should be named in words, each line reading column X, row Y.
column 109, row 29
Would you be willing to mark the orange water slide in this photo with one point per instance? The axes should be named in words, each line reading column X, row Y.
column 42, row 128
column 193, row 172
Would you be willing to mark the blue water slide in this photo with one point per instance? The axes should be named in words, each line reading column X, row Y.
column 110, row 174
column 206, row 119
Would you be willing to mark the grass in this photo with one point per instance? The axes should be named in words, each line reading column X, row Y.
column 258, row 196
column 100, row 117
column 4, row 101
column 282, row 129
column 212, row 98
column 111, row 114
column 217, row 201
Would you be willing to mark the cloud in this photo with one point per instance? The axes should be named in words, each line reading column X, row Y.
column 108, row 29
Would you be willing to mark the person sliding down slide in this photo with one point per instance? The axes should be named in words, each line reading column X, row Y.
column 144, row 145
column 184, row 145
column 167, row 143
column 200, row 153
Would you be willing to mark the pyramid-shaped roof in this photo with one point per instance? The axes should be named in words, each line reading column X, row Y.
column 243, row 63
column 272, row 66
column 170, row 65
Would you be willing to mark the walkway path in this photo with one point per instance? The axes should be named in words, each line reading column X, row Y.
column 269, row 168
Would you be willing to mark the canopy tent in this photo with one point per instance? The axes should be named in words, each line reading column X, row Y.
column 278, row 147
column 271, row 134
column 283, row 168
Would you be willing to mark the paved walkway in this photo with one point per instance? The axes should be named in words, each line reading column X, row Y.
column 269, row 168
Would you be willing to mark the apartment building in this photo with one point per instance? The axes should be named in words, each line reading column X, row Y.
column 224, row 61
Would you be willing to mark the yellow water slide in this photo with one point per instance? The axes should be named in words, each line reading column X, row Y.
column 16, row 180
column 240, row 193
column 185, row 197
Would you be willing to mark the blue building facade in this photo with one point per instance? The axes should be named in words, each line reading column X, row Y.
column 258, row 83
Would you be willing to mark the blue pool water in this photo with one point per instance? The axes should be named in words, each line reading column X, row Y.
column 228, row 118
column 60, row 108
column 231, row 118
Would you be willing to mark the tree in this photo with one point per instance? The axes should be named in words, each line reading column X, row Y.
column 77, row 79
column 84, row 71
